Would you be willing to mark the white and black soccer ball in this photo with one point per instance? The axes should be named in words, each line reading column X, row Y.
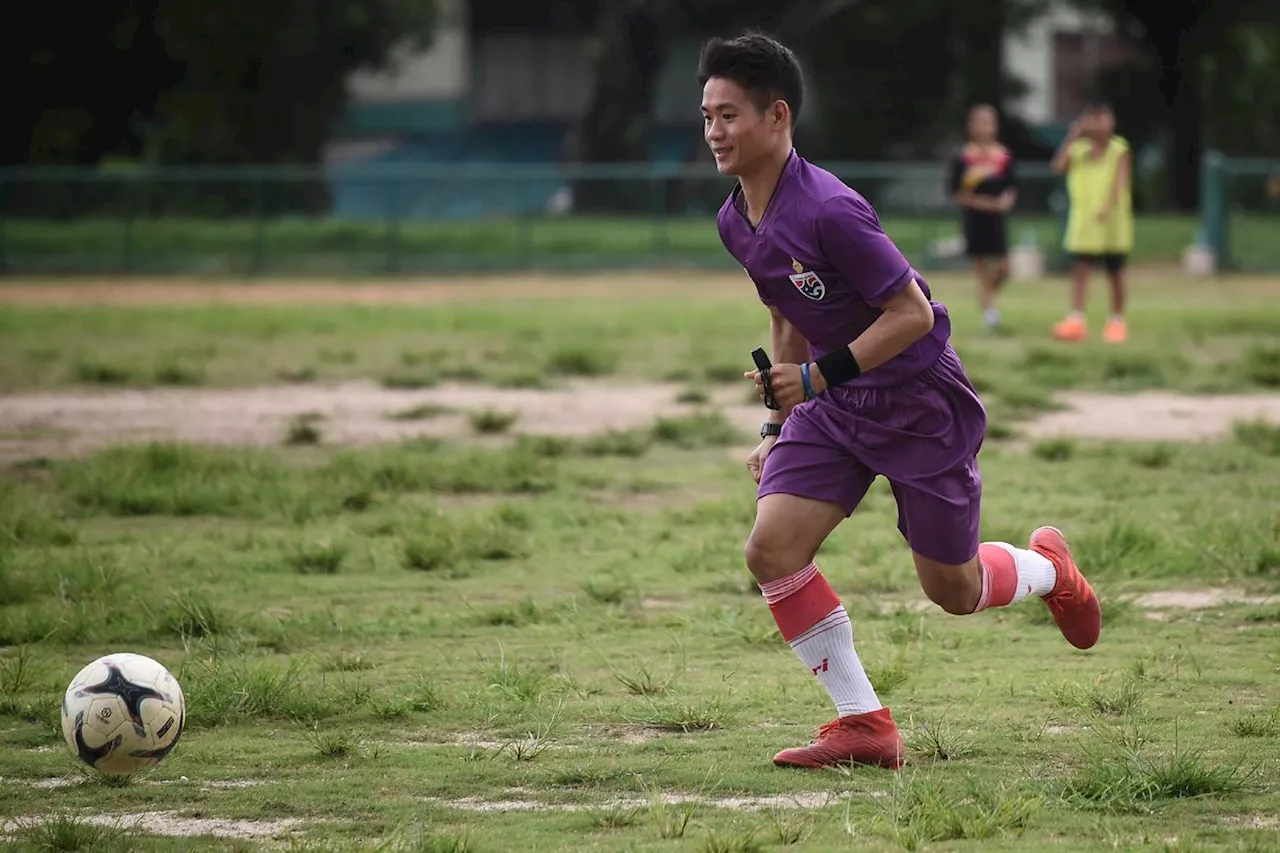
column 123, row 713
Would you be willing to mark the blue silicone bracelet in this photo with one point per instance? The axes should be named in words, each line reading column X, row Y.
column 804, row 377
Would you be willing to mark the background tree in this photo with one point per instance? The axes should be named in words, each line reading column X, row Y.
column 80, row 91
column 193, row 81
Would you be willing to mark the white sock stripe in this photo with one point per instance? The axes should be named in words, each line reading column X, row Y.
column 777, row 590
column 812, row 636
column 788, row 585
column 832, row 619
column 835, row 617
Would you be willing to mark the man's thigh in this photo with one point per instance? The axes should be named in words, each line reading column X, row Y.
column 787, row 534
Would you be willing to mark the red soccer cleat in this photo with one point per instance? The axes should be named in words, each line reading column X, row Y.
column 1074, row 606
column 870, row 738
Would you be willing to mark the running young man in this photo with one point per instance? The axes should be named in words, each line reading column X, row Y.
column 889, row 397
column 1098, row 166
column 983, row 184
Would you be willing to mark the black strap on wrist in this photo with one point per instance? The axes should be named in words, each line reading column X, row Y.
column 770, row 402
column 761, row 358
column 839, row 366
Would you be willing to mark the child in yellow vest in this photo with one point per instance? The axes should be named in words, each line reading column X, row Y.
column 1098, row 166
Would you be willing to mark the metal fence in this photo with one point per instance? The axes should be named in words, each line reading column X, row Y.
column 368, row 220
column 1240, row 211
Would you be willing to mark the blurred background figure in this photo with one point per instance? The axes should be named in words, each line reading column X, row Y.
column 1098, row 167
column 983, row 184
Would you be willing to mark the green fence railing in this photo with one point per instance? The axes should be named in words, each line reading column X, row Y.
column 1240, row 211
column 387, row 219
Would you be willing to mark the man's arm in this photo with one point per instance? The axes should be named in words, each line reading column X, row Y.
column 788, row 346
column 905, row 318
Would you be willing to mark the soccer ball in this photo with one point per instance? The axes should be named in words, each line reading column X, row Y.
column 122, row 713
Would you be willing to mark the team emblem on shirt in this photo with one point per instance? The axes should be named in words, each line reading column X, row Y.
column 807, row 283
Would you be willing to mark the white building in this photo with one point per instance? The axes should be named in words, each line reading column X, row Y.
column 1056, row 57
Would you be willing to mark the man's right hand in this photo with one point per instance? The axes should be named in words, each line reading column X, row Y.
column 755, row 462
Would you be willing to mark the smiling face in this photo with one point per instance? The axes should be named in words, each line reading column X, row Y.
column 741, row 136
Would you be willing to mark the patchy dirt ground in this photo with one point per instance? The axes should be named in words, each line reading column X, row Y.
column 1201, row 599
column 1152, row 415
column 176, row 826
column 60, row 424
column 516, row 803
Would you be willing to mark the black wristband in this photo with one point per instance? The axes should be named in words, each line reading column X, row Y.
column 838, row 367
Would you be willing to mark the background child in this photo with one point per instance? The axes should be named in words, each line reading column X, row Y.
column 984, row 186
column 1098, row 166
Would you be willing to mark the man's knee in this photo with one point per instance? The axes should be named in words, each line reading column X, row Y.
column 768, row 555
column 787, row 533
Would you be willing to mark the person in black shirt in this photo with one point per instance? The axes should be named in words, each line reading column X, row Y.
column 983, row 184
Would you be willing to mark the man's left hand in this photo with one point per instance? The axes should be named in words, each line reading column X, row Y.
column 787, row 385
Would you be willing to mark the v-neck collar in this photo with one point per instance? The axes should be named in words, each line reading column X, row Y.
column 740, row 201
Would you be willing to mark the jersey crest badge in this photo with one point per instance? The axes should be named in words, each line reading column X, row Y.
column 807, row 283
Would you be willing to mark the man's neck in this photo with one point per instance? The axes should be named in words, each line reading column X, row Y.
column 758, row 187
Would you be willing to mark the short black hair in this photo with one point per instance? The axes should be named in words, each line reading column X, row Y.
column 764, row 67
column 1098, row 105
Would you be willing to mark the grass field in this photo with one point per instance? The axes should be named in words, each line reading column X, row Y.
column 487, row 643
column 356, row 248
column 297, row 246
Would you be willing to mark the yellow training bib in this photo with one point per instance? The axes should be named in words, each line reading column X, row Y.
column 1090, row 177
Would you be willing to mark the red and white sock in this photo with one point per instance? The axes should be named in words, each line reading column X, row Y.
column 1011, row 574
column 814, row 622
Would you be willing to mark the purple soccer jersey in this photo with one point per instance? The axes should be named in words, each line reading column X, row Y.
column 820, row 256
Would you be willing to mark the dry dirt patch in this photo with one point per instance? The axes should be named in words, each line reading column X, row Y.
column 1152, row 415
column 173, row 825
column 57, row 424
column 1200, row 599
column 69, row 423
column 803, row 800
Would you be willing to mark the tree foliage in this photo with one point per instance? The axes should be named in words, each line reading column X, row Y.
column 195, row 81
